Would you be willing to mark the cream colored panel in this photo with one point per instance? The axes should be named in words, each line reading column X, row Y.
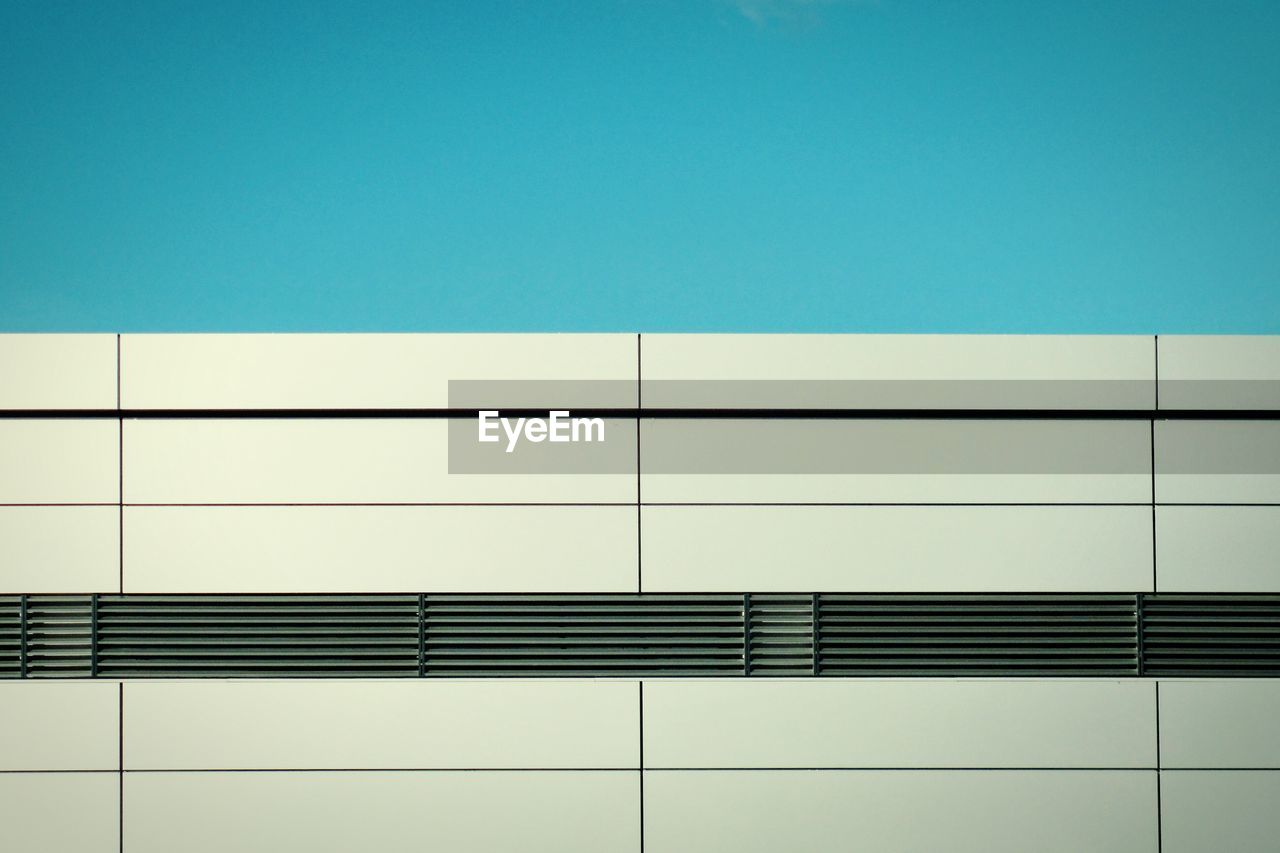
column 1220, row 724
column 886, row 461
column 1217, row 461
column 1227, row 489
column 1219, row 811
column 330, row 461
column 59, row 549
column 60, row 812
column 839, row 723
column 380, row 549
column 318, row 812
column 1219, row 372
column 382, row 725
column 998, row 370
column 353, row 371
column 1218, row 549
column 59, row 461
column 897, row 488
column 899, row 811
column 1184, row 357
column 897, row 548
column 700, row 356
column 57, row 371
column 59, row 726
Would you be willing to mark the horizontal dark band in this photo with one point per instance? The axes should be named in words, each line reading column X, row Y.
column 647, row 413
column 827, row 634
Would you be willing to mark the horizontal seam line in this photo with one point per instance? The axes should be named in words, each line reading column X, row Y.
column 647, row 413
column 630, row 769
column 632, row 504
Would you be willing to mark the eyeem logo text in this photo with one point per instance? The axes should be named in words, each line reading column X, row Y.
column 559, row 426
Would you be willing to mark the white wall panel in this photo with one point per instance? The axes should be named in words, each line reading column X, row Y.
column 64, row 549
column 1219, row 371
column 381, row 725
column 60, row 812
column 897, row 488
column 887, row 461
column 897, row 811
column 355, row 371
column 1113, row 370
column 380, row 549
column 318, row 812
column 59, row 461
column 1218, row 549
column 897, row 549
column 329, row 461
column 1219, row 811
column 59, row 726
column 57, row 371
column 921, row 724
column 1217, row 461
column 1220, row 724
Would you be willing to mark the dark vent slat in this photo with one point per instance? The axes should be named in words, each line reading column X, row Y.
column 586, row 635
column 266, row 636
column 1189, row 634
column 11, row 653
column 59, row 638
column 780, row 635
column 978, row 635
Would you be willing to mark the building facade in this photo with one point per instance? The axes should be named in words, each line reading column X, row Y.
column 892, row 593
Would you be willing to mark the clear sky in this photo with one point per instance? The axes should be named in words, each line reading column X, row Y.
column 759, row 165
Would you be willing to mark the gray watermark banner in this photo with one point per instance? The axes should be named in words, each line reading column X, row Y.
column 574, row 427
column 804, row 394
column 1012, row 394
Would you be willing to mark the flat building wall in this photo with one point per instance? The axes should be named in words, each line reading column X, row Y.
column 893, row 593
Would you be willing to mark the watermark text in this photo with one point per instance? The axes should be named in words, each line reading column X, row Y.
column 558, row 426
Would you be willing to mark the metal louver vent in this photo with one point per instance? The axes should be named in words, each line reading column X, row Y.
column 59, row 641
column 262, row 635
column 1211, row 635
column 11, row 637
column 922, row 635
column 625, row 635
column 583, row 635
column 780, row 634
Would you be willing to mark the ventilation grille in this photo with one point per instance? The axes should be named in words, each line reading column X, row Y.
column 10, row 637
column 780, row 634
column 757, row 634
column 583, row 635
column 268, row 636
column 978, row 635
column 1211, row 635
column 59, row 641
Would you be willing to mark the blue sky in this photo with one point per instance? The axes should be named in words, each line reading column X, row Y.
column 760, row 165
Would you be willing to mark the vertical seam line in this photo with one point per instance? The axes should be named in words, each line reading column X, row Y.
column 1159, row 805
column 639, row 512
column 1154, row 560
column 639, row 566
column 640, row 684
column 121, row 766
column 120, row 466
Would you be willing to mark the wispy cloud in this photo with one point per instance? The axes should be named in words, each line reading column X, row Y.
column 763, row 12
